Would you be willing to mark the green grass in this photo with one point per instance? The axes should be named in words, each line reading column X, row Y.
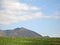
column 29, row 41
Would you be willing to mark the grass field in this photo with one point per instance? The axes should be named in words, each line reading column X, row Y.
column 29, row 41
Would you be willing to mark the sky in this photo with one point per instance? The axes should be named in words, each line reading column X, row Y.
column 41, row 16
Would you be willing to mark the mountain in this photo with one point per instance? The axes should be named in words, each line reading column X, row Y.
column 19, row 32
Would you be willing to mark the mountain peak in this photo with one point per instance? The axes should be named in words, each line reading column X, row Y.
column 17, row 28
column 22, row 28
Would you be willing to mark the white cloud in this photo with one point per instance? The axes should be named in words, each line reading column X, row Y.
column 7, row 19
column 14, row 11
column 56, row 15
column 11, row 4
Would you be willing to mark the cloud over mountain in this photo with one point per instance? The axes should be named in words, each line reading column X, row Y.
column 14, row 11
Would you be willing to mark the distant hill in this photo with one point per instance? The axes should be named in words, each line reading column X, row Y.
column 19, row 32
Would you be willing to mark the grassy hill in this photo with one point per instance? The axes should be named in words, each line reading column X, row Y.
column 29, row 41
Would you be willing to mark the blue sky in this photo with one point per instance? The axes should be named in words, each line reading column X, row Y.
column 41, row 16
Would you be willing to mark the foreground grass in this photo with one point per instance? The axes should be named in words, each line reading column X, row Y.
column 29, row 41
